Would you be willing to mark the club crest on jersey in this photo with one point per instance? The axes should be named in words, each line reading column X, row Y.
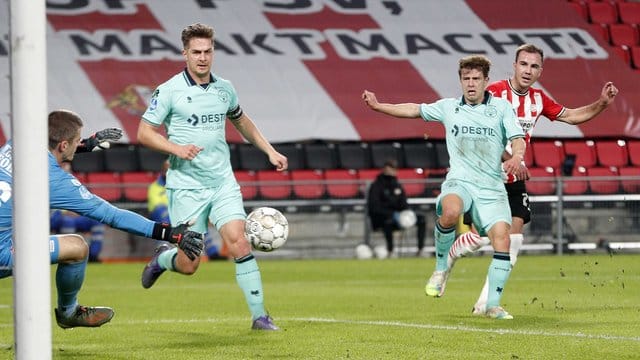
column 223, row 95
column 490, row 111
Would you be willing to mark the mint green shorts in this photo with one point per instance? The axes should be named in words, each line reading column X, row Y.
column 487, row 206
column 217, row 205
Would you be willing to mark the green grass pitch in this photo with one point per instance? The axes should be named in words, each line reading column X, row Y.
column 569, row 307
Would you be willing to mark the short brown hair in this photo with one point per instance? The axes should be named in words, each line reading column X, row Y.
column 479, row 62
column 530, row 48
column 196, row 30
column 63, row 126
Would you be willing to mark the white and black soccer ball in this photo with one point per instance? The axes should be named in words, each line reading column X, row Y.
column 266, row 229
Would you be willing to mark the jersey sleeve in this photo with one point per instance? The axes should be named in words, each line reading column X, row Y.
column 433, row 111
column 159, row 106
column 512, row 127
column 550, row 108
column 67, row 193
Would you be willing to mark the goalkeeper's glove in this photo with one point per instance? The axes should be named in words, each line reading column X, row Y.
column 100, row 140
column 190, row 242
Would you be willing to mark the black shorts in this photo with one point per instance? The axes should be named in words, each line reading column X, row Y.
column 518, row 202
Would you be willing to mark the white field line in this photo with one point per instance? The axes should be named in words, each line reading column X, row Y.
column 523, row 332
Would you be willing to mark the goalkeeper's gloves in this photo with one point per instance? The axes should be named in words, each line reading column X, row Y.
column 190, row 242
column 100, row 140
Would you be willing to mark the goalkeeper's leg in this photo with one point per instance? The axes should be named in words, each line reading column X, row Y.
column 516, row 243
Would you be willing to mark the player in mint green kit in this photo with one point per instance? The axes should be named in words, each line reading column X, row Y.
column 193, row 107
column 477, row 127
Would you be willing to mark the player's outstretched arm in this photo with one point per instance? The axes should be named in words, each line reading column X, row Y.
column 406, row 110
column 588, row 112
column 100, row 140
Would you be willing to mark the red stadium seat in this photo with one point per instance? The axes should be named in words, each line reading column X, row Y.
column 604, row 186
column 603, row 12
column 529, row 160
column 413, row 181
column 635, row 56
column 548, row 153
column 624, row 34
column 82, row 177
column 634, row 152
column 630, row 186
column 623, row 52
column 107, row 185
column 308, row 184
column 601, row 30
column 542, row 182
column 629, row 12
column 584, row 150
column 342, row 183
column 247, row 181
column 574, row 185
column 612, row 153
column 136, row 184
column 581, row 9
column 274, row 184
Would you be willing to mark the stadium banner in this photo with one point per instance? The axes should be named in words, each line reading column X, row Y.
column 300, row 66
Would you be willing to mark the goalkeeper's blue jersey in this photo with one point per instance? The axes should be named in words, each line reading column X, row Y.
column 476, row 136
column 195, row 114
column 65, row 193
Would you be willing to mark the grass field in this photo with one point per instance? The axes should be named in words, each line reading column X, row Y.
column 570, row 307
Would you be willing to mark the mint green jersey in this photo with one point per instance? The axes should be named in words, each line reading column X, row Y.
column 476, row 136
column 195, row 114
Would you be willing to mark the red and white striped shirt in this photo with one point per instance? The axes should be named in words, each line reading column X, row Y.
column 528, row 107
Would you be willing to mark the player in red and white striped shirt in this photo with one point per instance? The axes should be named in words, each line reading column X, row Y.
column 529, row 103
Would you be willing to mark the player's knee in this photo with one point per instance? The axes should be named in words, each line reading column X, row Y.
column 73, row 247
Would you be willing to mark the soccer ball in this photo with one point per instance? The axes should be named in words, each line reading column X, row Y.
column 407, row 218
column 266, row 229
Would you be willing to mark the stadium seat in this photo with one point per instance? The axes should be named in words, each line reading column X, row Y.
column 150, row 160
column 529, row 160
column 413, row 181
column 107, row 185
column 88, row 162
column 308, row 184
column 635, row 56
column 294, row 154
column 442, row 155
column 602, row 31
column 612, row 153
column 623, row 52
column 609, row 184
column 381, row 152
column 252, row 158
column 342, row 183
column 136, row 184
column 584, row 150
column 542, row 181
column 248, row 185
column 581, row 9
column 623, row 34
column 367, row 176
column 82, row 177
column 575, row 184
column 630, row 186
column 354, row 156
column 320, row 156
column 121, row 159
column 629, row 12
column 603, row 12
column 634, row 152
column 274, row 185
column 420, row 155
column 548, row 153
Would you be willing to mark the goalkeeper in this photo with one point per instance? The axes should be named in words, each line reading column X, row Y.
column 70, row 251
